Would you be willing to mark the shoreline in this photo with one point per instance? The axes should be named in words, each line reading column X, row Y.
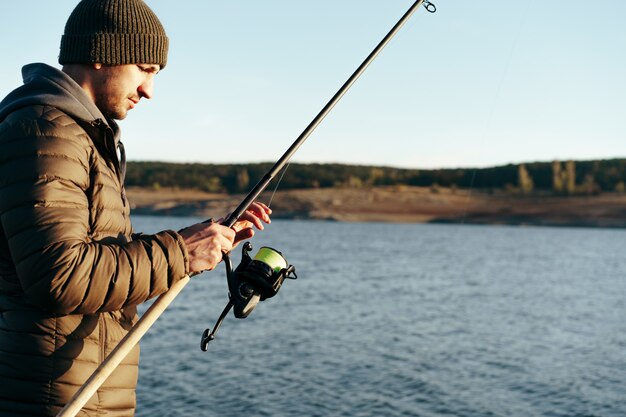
column 397, row 204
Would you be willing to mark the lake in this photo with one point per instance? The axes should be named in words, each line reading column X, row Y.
column 402, row 320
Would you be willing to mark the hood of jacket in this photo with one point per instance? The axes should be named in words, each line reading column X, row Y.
column 48, row 86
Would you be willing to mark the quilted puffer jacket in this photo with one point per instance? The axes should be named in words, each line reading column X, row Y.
column 71, row 271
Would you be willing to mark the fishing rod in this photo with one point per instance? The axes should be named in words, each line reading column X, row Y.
column 106, row 368
column 260, row 278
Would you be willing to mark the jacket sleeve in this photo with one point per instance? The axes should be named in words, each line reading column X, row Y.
column 44, row 212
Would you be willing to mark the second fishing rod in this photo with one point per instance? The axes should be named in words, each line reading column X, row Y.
column 256, row 279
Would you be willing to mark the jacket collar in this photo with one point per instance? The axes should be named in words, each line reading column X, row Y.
column 48, row 86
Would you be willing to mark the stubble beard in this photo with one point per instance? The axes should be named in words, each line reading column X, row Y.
column 111, row 97
column 112, row 107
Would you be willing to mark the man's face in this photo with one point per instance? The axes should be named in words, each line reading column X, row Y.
column 118, row 88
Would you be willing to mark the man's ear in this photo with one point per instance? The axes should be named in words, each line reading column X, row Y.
column 97, row 66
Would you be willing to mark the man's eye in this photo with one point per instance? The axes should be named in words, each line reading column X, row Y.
column 149, row 70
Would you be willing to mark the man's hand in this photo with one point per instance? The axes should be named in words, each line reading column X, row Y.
column 255, row 216
column 205, row 244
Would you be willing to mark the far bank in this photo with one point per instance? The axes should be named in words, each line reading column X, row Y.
column 399, row 204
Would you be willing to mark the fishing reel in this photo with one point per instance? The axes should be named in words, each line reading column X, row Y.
column 255, row 279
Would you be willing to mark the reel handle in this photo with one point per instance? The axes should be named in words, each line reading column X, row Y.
column 209, row 334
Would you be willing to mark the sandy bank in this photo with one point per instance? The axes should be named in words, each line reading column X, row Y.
column 397, row 204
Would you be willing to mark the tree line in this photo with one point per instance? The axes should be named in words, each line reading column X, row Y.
column 559, row 177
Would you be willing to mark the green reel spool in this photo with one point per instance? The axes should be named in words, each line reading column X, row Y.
column 272, row 258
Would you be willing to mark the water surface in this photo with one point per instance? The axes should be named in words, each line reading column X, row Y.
column 403, row 320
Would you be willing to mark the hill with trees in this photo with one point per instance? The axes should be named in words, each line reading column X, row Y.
column 555, row 177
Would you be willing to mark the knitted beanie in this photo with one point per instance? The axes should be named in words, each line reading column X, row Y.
column 113, row 32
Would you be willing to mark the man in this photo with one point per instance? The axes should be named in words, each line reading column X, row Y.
column 71, row 271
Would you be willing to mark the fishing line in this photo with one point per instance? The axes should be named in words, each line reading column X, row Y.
column 269, row 204
column 495, row 100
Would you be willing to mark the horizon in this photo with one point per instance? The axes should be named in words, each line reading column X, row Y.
column 384, row 166
column 470, row 86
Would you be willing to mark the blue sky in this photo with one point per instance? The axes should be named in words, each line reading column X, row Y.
column 475, row 84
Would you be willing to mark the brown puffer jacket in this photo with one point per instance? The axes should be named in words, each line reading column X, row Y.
column 71, row 273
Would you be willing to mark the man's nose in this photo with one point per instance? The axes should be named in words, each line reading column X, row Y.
column 147, row 88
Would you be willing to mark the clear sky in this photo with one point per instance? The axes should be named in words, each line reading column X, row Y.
column 479, row 83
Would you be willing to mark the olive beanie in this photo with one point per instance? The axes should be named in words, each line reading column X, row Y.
column 113, row 32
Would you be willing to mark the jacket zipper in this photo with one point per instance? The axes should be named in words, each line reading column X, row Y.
column 118, row 161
